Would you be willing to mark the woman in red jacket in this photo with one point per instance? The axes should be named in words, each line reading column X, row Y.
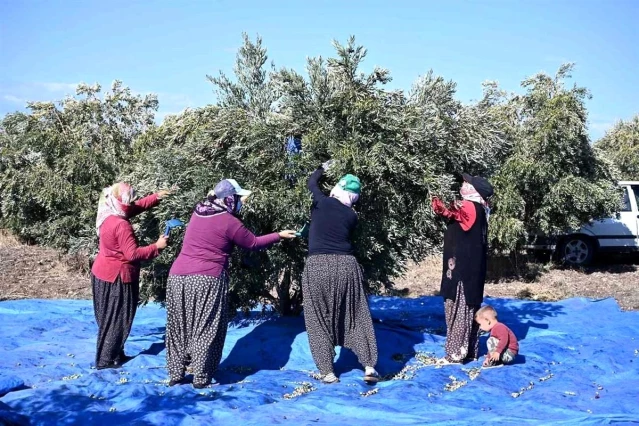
column 115, row 274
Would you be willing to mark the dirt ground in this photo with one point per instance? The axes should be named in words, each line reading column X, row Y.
column 38, row 272
column 610, row 276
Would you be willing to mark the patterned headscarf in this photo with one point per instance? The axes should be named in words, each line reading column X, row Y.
column 114, row 201
column 212, row 205
column 468, row 192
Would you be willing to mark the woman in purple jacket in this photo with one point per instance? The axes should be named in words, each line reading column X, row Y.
column 197, row 289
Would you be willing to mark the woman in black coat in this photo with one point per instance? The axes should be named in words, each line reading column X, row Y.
column 464, row 272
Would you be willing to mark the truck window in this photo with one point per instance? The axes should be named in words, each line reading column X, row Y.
column 635, row 189
column 625, row 206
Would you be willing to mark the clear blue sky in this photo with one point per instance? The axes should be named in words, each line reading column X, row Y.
column 168, row 47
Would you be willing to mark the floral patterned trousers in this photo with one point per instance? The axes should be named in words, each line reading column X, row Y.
column 462, row 332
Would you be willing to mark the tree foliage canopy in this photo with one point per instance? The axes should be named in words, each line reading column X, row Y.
column 621, row 145
column 56, row 158
column 553, row 180
column 405, row 146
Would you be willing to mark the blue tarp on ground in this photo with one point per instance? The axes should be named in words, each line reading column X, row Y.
column 579, row 363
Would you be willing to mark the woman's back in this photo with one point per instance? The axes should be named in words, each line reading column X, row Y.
column 119, row 254
column 332, row 222
column 207, row 245
column 209, row 242
column 332, row 225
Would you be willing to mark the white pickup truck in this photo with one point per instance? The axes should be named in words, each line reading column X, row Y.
column 616, row 234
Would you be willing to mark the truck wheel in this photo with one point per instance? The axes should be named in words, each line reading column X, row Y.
column 577, row 251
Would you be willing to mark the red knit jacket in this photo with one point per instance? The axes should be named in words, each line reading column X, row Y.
column 119, row 253
column 464, row 214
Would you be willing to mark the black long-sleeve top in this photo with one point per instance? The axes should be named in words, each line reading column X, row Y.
column 332, row 223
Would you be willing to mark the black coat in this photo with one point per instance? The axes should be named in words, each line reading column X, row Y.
column 465, row 254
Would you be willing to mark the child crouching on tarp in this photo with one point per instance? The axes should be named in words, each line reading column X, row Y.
column 502, row 343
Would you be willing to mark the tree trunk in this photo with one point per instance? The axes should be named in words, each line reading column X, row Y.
column 283, row 293
column 288, row 304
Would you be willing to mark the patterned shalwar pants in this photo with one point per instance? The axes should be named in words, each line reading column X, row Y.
column 336, row 310
column 114, row 305
column 197, row 322
column 462, row 334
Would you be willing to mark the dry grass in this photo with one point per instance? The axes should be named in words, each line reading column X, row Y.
column 8, row 240
column 616, row 277
column 41, row 273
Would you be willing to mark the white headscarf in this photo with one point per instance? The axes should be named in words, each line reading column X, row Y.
column 468, row 192
column 110, row 205
column 345, row 197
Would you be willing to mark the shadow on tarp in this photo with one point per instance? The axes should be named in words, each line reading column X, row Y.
column 426, row 316
column 154, row 349
column 125, row 404
column 571, row 351
column 395, row 346
column 266, row 346
column 269, row 346
column 405, row 326
column 9, row 416
column 521, row 317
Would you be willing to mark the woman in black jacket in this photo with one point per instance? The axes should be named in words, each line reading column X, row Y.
column 336, row 309
column 464, row 273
